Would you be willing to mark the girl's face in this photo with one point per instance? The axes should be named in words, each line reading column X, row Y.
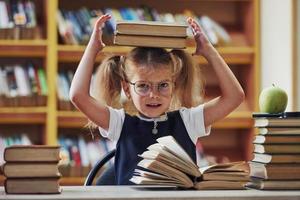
column 150, row 90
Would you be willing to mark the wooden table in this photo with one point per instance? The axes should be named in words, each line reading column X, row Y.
column 138, row 193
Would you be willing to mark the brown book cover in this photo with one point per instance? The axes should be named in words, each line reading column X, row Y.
column 32, row 186
column 150, row 41
column 31, row 153
column 275, row 171
column 170, row 165
column 277, row 148
column 276, row 158
column 279, row 131
column 277, row 139
column 151, row 28
column 261, row 184
column 34, row 169
column 277, row 122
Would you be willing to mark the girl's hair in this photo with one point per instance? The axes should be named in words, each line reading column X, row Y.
column 113, row 70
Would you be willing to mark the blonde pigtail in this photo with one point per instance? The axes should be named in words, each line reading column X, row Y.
column 188, row 81
column 107, row 83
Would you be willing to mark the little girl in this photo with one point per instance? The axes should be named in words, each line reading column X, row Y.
column 164, row 88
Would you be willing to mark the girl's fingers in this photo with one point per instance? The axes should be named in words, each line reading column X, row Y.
column 101, row 20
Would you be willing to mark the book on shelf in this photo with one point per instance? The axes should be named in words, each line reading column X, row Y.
column 277, row 139
column 277, row 148
column 32, row 186
column 282, row 171
column 151, row 28
column 150, row 41
column 262, row 184
column 167, row 163
column 30, row 169
column 279, row 131
column 31, row 153
column 276, row 158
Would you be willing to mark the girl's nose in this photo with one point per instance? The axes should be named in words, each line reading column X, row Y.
column 154, row 92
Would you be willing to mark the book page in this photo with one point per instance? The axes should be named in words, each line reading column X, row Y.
column 163, row 154
column 161, row 168
column 175, row 148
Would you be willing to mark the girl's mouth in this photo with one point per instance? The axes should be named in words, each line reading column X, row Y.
column 153, row 105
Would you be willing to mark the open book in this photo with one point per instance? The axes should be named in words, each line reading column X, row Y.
column 167, row 163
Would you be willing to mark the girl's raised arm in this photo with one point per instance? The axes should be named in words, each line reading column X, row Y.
column 232, row 93
column 80, row 86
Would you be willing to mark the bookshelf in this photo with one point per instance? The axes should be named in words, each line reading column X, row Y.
column 231, row 137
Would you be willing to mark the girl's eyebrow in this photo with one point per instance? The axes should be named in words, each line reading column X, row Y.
column 155, row 82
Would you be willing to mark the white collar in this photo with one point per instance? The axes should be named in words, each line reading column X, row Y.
column 161, row 118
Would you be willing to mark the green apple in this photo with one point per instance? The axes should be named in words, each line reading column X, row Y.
column 273, row 100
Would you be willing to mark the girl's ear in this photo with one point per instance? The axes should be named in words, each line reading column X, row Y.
column 126, row 89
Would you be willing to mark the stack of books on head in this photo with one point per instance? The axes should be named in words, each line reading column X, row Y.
column 151, row 34
column 31, row 169
column 276, row 161
column 166, row 163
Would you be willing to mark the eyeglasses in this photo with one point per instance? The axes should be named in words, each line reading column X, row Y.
column 143, row 88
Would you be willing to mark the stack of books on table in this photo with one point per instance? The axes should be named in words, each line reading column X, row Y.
column 151, row 34
column 276, row 160
column 31, row 169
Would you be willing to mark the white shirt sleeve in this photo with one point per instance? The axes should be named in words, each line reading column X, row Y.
column 116, row 120
column 193, row 120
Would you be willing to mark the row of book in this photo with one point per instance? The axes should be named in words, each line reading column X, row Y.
column 64, row 79
column 23, row 85
column 18, row 20
column 276, row 158
column 75, row 26
column 79, row 155
column 31, row 169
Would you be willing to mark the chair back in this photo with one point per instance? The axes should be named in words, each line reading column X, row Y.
column 107, row 177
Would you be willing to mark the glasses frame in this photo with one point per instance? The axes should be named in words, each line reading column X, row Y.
column 156, row 85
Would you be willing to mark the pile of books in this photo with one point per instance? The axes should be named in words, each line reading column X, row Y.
column 151, row 34
column 31, row 169
column 276, row 161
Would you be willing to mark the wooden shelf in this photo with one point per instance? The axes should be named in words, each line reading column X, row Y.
column 71, row 119
column 23, row 48
column 231, row 54
column 23, row 115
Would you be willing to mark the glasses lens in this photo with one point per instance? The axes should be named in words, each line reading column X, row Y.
column 164, row 87
column 142, row 87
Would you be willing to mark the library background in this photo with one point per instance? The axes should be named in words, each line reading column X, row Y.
column 42, row 41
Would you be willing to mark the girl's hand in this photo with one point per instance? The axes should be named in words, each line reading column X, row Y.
column 202, row 43
column 96, row 37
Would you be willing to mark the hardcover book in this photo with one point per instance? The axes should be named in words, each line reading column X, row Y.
column 31, row 153
column 150, row 41
column 276, row 158
column 151, row 28
column 277, row 148
column 30, row 169
column 277, row 139
column 166, row 163
column 275, row 171
column 32, row 186
column 262, row 184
